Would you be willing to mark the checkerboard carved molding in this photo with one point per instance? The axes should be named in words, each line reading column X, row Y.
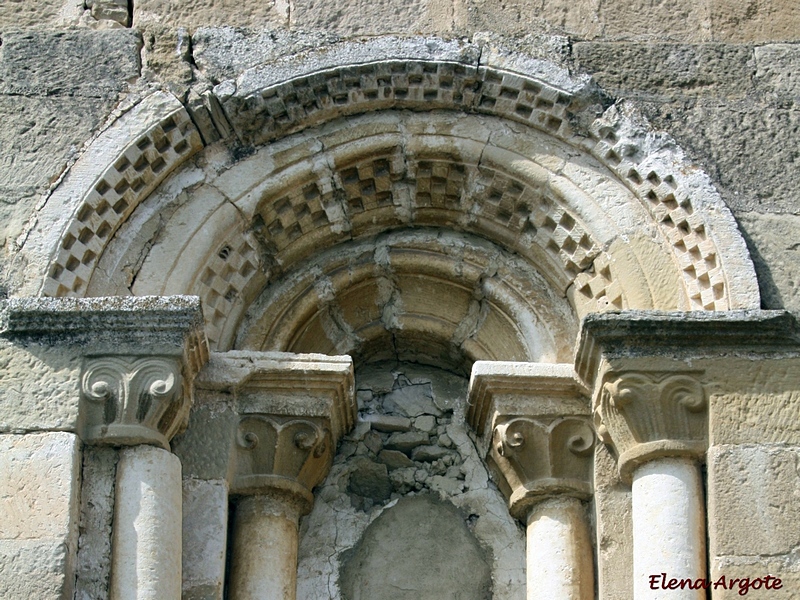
column 277, row 109
column 380, row 189
column 134, row 174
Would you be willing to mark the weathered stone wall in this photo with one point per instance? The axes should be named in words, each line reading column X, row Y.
column 411, row 442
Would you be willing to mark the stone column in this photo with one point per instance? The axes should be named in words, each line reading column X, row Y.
column 541, row 456
column 146, row 547
column 105, row 371
column 656, row 421
column 559, row 552
column 274, row 457
column 292, row 411
column 264, row 552
column 665, row 387
column 138, row 399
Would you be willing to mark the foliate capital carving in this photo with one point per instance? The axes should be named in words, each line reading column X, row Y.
column 648, row 414
column 133, row 400
column 281, row 455
column 538, row 458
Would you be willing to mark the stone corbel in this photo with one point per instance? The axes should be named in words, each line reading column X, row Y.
column 540, row 444
column 649, row 372
column 140, row 392
column 114, row 370
column 646, row 415
column 132, row 400
column 292, row 409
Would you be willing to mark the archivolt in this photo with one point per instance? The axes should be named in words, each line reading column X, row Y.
column 609, row 213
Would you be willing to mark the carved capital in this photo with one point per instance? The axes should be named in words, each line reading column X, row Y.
column 533, row 420
column 533, row 459
column 648, row 414
column 291, row 409
column 133, row 400
column 283, row 455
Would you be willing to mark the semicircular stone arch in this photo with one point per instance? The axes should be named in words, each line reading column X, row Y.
column 606, row 213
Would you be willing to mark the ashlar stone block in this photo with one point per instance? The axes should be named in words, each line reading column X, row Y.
column 754, row 21
column 70, row 63
column 364, row 17
column 205, row 523
column 39, row 490
column 195, row 13
column 753, row 495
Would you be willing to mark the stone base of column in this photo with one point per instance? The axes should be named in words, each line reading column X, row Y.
column 560, row 565
column 146, row 548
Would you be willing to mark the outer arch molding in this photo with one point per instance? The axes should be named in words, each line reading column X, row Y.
column 155, row 150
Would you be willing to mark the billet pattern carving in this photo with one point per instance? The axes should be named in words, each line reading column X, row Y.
column 285, row 107
column 440, row 192
column 141, row 167
column 644, row 415
column 336, row 212
column 599, row 290
column 536, row 458
column 223, row 280
column 133, row 400
column 302, row 102
column 671, row 207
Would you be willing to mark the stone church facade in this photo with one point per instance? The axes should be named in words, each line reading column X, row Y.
column 421, row 300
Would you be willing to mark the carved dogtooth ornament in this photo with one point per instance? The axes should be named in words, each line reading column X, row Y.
column 649, row 414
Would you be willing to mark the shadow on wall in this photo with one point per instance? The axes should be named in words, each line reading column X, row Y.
column 770, row 293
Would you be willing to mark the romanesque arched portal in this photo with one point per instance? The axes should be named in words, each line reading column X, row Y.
column 432, row 211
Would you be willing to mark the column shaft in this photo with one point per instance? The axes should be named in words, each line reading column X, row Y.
column 264, row 553
column 146, row 552
column 668, row 528
column 559, row 556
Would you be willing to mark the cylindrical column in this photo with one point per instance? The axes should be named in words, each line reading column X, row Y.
column 559, row 557
column 146, row 555
column 668, row 529
column 264, row 553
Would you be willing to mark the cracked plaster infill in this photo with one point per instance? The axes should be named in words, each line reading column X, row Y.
column 411, row 439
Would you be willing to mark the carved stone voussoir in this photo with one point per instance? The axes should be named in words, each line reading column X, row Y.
column 533, row 459
column 131, row 400
column 649, row 414
column 281, row 455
